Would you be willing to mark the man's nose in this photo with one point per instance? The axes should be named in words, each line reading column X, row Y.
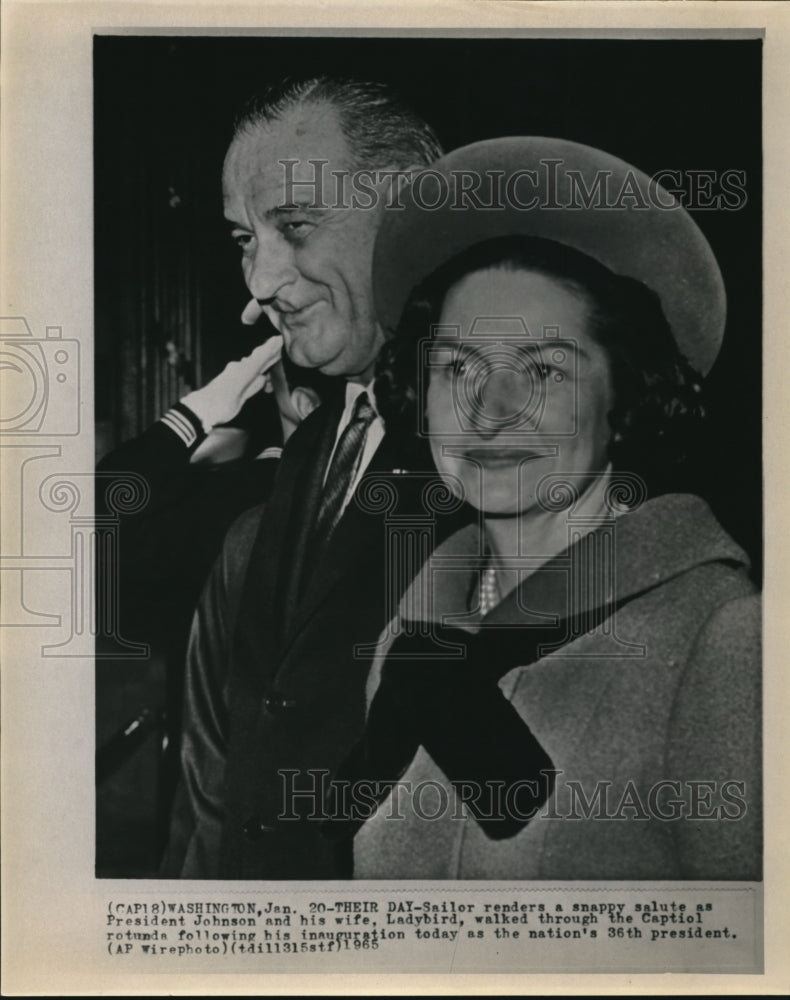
column 271, row 268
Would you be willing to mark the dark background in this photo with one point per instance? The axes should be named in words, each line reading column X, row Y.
column 169, row 290
column 166, row 270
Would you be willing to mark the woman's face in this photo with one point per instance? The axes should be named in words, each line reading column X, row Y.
column 517, row 389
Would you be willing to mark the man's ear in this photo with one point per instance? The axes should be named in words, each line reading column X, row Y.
column 304, row 400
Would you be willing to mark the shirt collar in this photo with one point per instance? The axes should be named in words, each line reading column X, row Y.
column 353, row 391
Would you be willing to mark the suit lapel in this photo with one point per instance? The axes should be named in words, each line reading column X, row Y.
column 304, row 502
column 359, row 534
column 269, row 595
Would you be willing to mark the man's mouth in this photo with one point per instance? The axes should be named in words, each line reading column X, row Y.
column 287, row 318
column 291, row 317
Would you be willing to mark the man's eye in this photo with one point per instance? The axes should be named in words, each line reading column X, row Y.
column 242, row 240
column 298, row 228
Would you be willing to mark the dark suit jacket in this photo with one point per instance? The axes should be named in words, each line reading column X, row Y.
column 277, row 667
column 167, row 545
column 151, row 567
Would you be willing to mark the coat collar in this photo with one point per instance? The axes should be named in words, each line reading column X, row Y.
column 639, row 550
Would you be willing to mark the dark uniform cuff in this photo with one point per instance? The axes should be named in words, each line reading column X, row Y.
column 185, row 424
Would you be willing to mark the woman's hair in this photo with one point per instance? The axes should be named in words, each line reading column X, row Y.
column 657, row 414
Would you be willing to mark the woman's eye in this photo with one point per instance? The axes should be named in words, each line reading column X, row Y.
column 537, row 368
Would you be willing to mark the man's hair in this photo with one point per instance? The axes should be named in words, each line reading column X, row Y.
column 656, row 421
column 379, row 128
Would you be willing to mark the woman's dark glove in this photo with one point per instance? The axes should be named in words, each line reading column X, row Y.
column 451, row 705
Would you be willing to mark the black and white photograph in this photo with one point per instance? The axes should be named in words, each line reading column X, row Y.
column 388, row 499
column 418, row 290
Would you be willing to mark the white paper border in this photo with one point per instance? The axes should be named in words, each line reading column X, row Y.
column 47, row 261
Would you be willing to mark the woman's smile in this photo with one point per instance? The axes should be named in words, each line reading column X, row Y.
column 499, row 456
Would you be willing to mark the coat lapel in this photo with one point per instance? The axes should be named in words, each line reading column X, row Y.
column 605, row 567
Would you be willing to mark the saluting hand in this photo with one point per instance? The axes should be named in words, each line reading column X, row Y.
column 221, row 399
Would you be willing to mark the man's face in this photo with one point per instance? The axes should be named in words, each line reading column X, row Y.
column 309, row 266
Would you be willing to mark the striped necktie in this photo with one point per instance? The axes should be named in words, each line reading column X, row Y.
column 343, row 470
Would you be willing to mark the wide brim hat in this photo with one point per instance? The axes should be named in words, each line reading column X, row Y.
column 563, row 191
